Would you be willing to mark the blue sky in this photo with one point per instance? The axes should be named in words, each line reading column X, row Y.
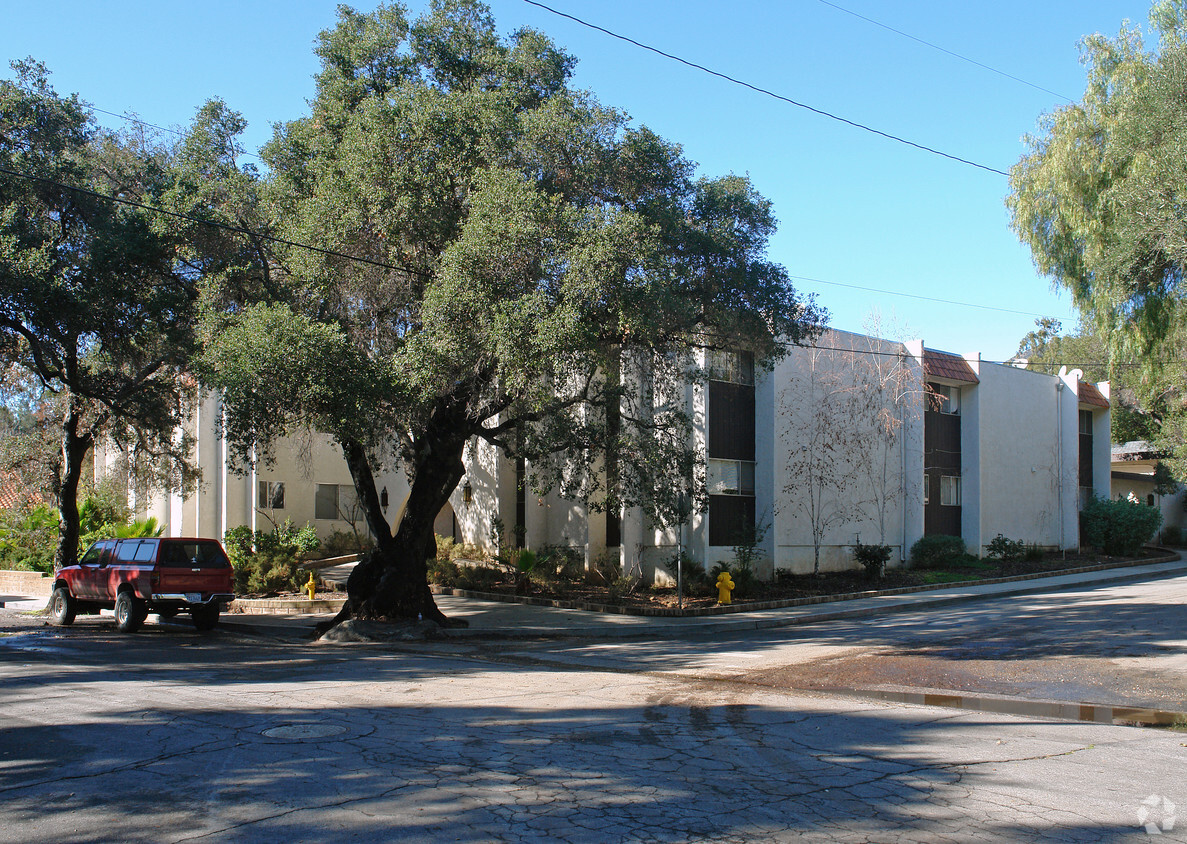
column 854, row 209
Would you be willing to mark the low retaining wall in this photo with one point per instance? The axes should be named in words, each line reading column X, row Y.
column 32, row 583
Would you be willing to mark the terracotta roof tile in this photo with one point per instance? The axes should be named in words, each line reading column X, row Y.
column 949, row 366
column 1090, row 395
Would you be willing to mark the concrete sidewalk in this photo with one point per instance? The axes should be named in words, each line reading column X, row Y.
column 495, row 620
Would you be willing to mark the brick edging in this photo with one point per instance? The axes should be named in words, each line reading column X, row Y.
column 754, row 606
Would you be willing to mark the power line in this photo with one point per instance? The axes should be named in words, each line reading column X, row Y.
column 947, row 51
column 383, row 265
column 917, row 296
column 140, row 122
column 216, row 224
column 770, row 93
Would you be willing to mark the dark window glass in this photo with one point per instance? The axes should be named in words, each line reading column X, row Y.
column 193, row 555
column 731, row 518
column 325, row 502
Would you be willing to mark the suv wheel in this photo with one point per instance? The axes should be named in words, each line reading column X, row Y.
column 62, row 606
column 129, row 613
column 205, row 617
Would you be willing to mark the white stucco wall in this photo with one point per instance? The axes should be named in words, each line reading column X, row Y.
column 840, row 359
column 1011, row 480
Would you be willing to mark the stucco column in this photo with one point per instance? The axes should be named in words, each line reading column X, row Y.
column 970, row 460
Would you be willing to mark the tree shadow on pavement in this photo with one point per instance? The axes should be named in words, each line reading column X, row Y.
column 141, row 739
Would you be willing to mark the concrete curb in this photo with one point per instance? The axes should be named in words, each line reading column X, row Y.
column 612, row 626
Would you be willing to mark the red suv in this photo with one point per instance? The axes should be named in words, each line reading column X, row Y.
column 138, row 576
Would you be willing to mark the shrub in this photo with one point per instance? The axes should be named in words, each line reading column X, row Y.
column 1172, row 535
column 937, row 550
column 696, row 580
column 340, row 543
column 269, row 561
column 1034, row 554
column 873, row 558
column 1006, row 550
column 269, row 572
column 1119, row 528
column 745, row 583
column 563, row 561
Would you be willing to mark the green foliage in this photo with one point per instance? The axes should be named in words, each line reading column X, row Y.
column 1119, row 527
column 1095, row 199
column 873, row 558
column 1164, row 480
column 97, row 306
column 748, row 549
column 140, row 528
column 563, row 561
column 267, row 572
column 340, row 543
column 273, row 565
column 1006, row 550
column 696, row 578
column 476, row 578
column 533, row 241
column 1172, row 535
column 935, row 551
column 28, row 535
column 27, row 538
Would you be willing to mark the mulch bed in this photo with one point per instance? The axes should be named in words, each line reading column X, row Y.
column 786, row 587
column 806, row 585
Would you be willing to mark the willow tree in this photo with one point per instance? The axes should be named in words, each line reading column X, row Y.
column 1099, row 200
column 491, row 245
column 92, row 306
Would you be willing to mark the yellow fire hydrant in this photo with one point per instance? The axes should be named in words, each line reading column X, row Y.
column 725, row 585
column 311, row 586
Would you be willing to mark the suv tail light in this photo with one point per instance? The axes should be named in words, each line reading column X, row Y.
column 155, row 579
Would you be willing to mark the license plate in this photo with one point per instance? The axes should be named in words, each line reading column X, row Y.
column 194, row 597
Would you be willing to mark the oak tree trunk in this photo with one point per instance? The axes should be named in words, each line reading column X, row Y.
column 75, row 447
column 391, row 582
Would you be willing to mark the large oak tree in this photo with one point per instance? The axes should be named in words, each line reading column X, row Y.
column 500, row 258
column 92, row 305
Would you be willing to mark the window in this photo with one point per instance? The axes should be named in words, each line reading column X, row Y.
column 926, row 488
column 949, row 491
column 335, row 501
column 944, row 399
column 271, row 495
column 730, row 477
column 1086, row 422
column 734, row 367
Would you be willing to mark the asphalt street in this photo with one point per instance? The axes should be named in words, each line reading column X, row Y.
column 173, row 735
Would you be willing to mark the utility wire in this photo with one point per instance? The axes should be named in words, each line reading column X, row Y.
column 770, row 93
column 225, row 226
column 947, row 51
column 383, row 265
column 330, row 252
column 916, row 296
column 145, row 123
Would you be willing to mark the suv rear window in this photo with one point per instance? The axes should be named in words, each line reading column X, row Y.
column 193, row 555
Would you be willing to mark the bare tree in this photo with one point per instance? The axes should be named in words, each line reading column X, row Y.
column 824, row 430
column 883, row 386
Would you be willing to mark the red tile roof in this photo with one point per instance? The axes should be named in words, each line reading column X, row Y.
column 1090, row 395
column 949, row 366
